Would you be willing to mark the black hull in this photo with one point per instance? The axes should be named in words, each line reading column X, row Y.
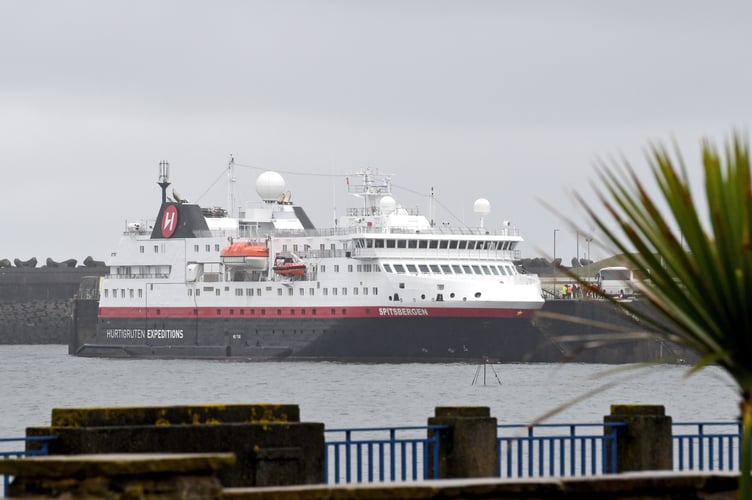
column 391, row 339
column 394, row 339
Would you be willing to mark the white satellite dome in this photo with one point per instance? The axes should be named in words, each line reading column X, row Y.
column 388, row 205
column 270, row 186
column 482, row 207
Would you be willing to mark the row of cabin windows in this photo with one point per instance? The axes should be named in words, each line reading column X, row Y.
column 302, row 292
column 196, row 248
column 440, row 244
column 473, row 269
column 121, row 292
column 248, row 292
column 359, row 268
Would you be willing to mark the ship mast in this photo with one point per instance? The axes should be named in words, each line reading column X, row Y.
column 371, row 189
column 164, row 179
column 231, row 187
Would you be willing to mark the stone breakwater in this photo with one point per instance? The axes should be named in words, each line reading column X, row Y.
column 36, row 322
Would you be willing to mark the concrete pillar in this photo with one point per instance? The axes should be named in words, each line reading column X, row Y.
column 468, row 448
column 645, row 443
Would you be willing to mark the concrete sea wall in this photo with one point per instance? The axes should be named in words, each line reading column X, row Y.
column 37, row 303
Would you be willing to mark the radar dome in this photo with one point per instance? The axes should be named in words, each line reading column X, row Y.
column 388, row 205
column 270, row 185
column 482, row 207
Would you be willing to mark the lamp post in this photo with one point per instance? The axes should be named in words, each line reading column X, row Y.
column 555, row 231
column 588, row 240
column 577, row 255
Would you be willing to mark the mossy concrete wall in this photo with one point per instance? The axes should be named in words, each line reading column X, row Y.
column 271, row 445
column 114, row 477
column 633, row 486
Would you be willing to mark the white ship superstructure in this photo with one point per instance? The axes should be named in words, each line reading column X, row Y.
column 385, row 283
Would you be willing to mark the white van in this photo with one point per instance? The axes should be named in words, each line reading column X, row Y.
column 616, row 281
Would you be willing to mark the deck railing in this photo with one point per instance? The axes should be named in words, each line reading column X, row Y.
column 42, row 449
column 381, row 454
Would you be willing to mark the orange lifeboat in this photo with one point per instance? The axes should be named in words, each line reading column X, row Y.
column 246, row 254
column 287, row 266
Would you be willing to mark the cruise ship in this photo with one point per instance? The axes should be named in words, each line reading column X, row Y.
column 384, row 284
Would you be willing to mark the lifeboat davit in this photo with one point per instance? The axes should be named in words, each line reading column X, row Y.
column 246, row 254
column 287, row 266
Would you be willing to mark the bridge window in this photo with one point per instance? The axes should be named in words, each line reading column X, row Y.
column 399, row 269
column 411, row 268
column 435, row 269
column 423, row 268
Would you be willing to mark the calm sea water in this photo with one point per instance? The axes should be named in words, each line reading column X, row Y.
column 36, row 379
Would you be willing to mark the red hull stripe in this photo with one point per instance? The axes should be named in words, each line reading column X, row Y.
column 309, row 312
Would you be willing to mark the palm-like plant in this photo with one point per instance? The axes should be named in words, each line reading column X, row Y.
column 699, row 264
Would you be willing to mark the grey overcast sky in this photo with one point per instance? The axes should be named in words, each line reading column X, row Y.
column 512, row 101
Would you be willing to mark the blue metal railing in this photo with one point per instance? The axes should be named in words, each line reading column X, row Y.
column 557, row 449
column 382, row 454
column 43, row 449
column 706, row 446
